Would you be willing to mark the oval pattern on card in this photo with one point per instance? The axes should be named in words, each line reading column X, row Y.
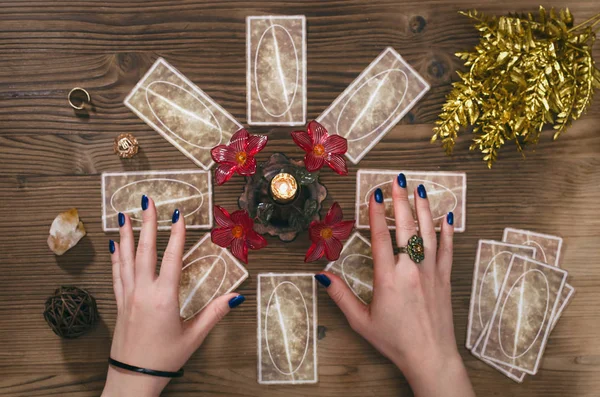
column 287, row 328
column 168, row 195
column 372, row 105
column 526, row 303
column 441, row 199
column 184, row 114
column 491, row 285
column 201, row 280
column 276, row 70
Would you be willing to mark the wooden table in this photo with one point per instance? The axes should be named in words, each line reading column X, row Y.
column 51, row 160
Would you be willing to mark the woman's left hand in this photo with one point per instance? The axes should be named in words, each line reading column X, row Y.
column 149, row 332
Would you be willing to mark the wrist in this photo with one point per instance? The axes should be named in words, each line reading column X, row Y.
column 120, row 382
column 437, row 375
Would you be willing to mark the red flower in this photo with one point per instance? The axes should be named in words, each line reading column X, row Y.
column 236, row 230
column 238, row 156
column 320, row 148
column 327, row 235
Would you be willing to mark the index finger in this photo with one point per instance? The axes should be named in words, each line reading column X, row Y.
column 381, row 240
column 170, row 268
column 145, row 267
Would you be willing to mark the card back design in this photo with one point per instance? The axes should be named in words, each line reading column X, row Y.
column 548, row 246
column 446, row 191
column 209, row 271
column 548, row 251
column 276, row 70
column 287, row 328
column 522, row 318
column 564, row 300
column 189, row 191
column 507, row 370
column 491, row 264
column 355, row 267
column 181, row 112
column 374, row 103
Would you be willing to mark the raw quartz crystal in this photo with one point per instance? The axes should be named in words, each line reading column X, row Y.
column 65, row 232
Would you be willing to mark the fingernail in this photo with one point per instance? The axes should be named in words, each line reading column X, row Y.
column 175, row 216
column 111, row 246
column 238, row 300
column 402, row 180
column 422, row 192
column 379, row 196
column 450, row 218
column 144, row 202
column 121, row 219
column 323, row 280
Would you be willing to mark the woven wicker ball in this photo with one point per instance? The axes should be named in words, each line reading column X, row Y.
column 71, row 312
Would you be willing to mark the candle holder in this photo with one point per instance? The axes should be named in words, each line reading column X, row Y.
column 277, row 212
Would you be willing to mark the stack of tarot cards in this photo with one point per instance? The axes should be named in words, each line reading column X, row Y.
column 519, row 292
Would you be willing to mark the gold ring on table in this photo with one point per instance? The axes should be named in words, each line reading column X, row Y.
column 83, row 102
column 414, row 249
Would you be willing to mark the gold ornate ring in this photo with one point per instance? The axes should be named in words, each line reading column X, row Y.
column 414, row 249
column 79, row 104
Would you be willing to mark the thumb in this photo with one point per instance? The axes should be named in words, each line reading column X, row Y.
column 214, row 312
column 356, row 312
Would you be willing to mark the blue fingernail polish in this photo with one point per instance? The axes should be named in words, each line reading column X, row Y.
column 235, row 302
column 422, row 192
column 323, row 280
column 450, row 218
column 111, row 246
column 121, row 219
column 402, row 180
column 144, row 202
column 379, row 196
column 175, row 216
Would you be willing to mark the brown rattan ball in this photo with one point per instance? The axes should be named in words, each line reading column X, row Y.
column 71, row 312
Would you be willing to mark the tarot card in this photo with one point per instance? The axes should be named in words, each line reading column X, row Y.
column 522, row 319
column 181, row 112
column 491, row 264
column 209, row 271
column 548, row 247
column 508, row 371
column 374, row 103
column 563, row 302
column 287, row 328
column 276, row 70
column 548, row 251
column 512, row 373
column 446, row 191
column 355, row 267
column 189, row 191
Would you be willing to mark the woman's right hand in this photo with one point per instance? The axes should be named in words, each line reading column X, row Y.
column 410, row 317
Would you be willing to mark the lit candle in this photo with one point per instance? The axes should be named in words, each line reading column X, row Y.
column 284, row 188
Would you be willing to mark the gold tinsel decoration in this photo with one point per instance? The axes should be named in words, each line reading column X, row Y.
column 527, row 71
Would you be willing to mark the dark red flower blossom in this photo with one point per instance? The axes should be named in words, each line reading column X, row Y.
column 327, row 235
column 322, row 148
column 237, row 156
column 236, row 231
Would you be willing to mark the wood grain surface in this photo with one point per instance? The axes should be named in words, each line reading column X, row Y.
column 51, row 160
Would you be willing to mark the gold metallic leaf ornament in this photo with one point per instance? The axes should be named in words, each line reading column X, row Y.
column 526, row 72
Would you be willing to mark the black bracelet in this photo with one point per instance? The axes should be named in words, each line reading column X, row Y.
column 162, row 374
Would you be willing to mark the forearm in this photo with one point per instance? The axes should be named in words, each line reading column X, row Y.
column 126, row 383
column 435, row 377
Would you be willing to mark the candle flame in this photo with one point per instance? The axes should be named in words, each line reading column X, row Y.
column 284, row 187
